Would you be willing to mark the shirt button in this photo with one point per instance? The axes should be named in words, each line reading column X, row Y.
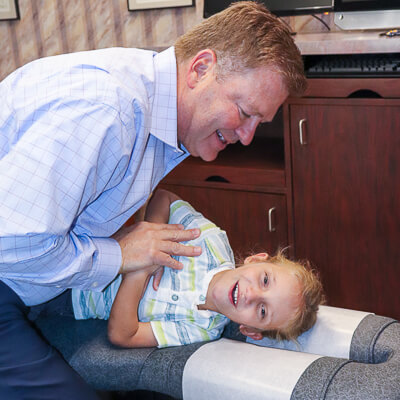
column 95, row 284
column 175, row 297
column 202, row 298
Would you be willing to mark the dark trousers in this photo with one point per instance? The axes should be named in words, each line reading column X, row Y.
column 29, row 367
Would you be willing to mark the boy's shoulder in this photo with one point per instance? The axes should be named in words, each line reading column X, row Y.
column 182, row 212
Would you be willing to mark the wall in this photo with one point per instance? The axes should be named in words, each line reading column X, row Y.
column 50, row 27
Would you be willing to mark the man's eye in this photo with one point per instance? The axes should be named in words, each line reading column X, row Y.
column 265, row 280
column 245, row 115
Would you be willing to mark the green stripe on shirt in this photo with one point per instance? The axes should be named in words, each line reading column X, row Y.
column 215, row 251
column 208, row 226
column 159, row 333
column 177, row 204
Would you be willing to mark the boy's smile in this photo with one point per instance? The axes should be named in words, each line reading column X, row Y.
column 234, row 293
column 259, row 295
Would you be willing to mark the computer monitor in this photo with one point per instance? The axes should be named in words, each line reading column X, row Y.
column 366, row 5
column 349, row 14
column 278, row 7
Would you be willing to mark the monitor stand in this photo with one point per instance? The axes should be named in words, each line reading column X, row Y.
column 368, row 19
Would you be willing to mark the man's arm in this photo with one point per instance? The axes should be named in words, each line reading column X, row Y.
column 124, row 328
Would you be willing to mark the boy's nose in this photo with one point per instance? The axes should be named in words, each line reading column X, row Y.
column 252, row 294
column 247, row 130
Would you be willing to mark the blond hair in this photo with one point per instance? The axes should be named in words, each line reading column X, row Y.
column 311, row 295
column 246, row 36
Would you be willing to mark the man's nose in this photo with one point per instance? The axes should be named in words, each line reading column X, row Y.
column 247, row 130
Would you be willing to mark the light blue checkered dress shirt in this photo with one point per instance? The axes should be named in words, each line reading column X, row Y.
column 84, row 139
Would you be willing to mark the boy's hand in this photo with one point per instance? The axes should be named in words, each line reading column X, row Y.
column 147, row 244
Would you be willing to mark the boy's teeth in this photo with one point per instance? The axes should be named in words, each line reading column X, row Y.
column 235, row 294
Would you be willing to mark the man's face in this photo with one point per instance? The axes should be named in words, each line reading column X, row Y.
column 259, row 295
column 229, row 110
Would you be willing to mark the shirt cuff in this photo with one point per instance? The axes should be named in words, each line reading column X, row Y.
column 106, row 264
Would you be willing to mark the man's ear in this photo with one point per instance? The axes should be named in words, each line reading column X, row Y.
column 260, row 257
column 200, row 65
column 253, row 333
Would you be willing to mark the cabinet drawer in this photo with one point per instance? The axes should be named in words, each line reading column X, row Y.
column 254, row 222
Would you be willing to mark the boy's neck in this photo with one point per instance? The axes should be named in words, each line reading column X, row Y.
column 209, row 303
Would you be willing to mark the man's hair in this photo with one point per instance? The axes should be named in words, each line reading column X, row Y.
column 246, row 36
column 311, row 294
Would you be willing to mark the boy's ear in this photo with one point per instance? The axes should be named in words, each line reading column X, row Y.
column 260, row 257
column 200, row 65
column 253, row 333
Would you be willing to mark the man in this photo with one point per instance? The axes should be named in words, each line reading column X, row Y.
column 86, row 137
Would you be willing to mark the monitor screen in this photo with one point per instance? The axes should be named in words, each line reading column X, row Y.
column 278, row 7
column 295, row 7
column 366, row 5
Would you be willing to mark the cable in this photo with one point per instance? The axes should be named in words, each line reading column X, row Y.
column 321, row 20
column 288, row 25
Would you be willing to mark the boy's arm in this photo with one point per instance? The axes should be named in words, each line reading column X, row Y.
column 158, row 207
column 124, row 328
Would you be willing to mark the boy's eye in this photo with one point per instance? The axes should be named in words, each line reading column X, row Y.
column 262, row 311
column 266, row 280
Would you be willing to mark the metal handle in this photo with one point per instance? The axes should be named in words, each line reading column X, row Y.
column 301, row 124
column 271, row 226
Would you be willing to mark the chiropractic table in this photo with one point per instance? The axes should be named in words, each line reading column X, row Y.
column 347, row 355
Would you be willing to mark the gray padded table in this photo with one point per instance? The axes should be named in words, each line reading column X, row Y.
column 369, row 369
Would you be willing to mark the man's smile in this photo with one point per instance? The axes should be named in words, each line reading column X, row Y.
column 221, row 137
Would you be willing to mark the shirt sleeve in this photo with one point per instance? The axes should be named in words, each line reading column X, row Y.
column 57, row 159
column 179, row 333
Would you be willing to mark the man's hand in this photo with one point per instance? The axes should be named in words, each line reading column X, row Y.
column 147, row 244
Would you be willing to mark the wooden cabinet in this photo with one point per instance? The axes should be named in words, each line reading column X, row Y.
column 345, row 160
column 254, row 222
column 326, row 183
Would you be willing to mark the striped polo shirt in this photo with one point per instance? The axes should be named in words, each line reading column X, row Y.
column 172, row 309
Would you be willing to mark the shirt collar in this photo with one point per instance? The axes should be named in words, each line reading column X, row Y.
column 203, row 291
column 164, row 111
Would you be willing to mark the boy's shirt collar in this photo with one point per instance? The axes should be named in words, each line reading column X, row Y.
column 202, row 293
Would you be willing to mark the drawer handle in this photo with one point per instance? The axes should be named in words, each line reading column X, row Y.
column 301, row 131
column 271, row 225
column 216, row 178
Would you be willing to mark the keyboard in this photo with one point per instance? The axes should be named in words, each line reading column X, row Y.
column 385, row 65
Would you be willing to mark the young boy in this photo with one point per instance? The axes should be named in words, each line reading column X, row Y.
column 274, row 296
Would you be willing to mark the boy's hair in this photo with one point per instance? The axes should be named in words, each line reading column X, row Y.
column 246, row 36
column 312, row 296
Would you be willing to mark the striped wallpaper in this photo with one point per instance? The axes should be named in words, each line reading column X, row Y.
column 50, row 27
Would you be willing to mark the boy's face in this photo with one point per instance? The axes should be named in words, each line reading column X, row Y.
column 259, row 296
